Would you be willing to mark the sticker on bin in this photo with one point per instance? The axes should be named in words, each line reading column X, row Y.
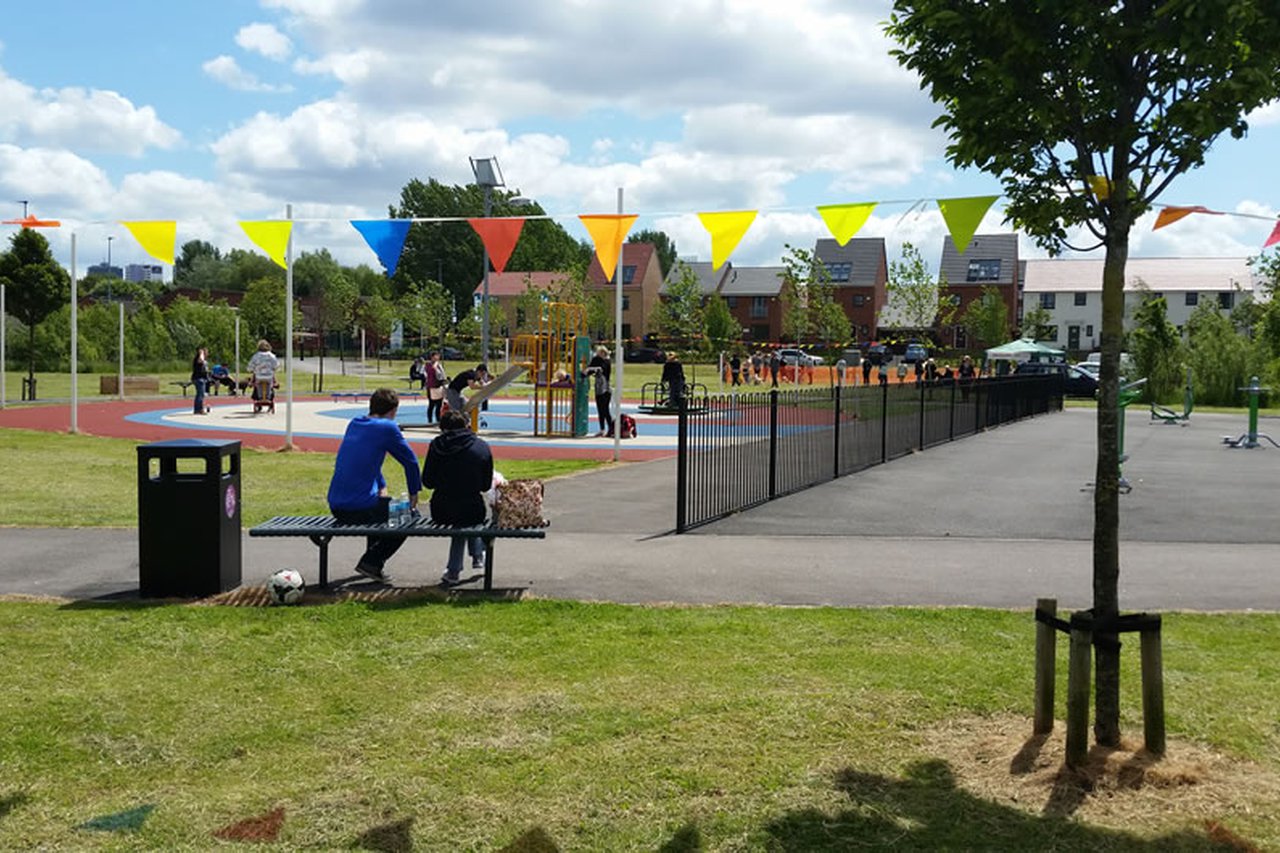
column 229, row 500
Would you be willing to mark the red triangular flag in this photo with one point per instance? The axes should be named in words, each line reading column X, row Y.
column 499, row 237
column 1274, row 238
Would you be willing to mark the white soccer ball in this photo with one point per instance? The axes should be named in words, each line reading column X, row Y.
column 286, row 587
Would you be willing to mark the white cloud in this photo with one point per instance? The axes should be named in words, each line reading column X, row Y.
column 228, row 72
column 1264, row 116
column 73, row 117
column 265, row 39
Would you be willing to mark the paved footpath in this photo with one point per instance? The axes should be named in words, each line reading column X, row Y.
column 994, row 520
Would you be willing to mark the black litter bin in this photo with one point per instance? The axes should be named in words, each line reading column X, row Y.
column 188, row 517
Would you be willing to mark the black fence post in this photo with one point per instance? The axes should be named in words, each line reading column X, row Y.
column 835, row 465
column 884, row 423
column 773, row 443
column 951, row 427
column 682, row 468
column 920, row 385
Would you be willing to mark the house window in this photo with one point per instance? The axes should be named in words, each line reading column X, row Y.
column 1088, row 330
column 962, row 338
column 519, row 316
column 759, row 331
column 986, row 269
column 840, row 271
column 859, row 300
column 626, row 301
column 1082, row 298
column 732, row 302
column 1048, row 301
column 628, row 273
column 954, row 299
column 1225, row 299
column 759, row 306
column 1050, row 334
column 1192, row 299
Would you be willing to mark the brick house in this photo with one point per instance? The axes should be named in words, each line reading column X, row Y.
column 859, row 270
column 641, row 274
column 988, row 260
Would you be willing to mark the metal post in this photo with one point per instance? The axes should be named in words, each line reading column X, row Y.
column 3, row 374
column 237, row 310
column 773, row 443
column 484, row 304
column 682, row 467
column 884, row 423
column 288, row 334
column 362, row 345
column 616, row 402
column 835, row 464
column 120, row 353
column 922, row 416
column 75, row 335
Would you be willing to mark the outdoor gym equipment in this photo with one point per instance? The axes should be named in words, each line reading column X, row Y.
column 1127, row 394
column 1169, row 416
column 1250, row 439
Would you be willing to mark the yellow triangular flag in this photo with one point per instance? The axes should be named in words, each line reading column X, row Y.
column 607, row 231
column 1100, row 186
column 156, row 237
column 844, row 220
column 727, row 229
column 963, row 216
column 271, row 236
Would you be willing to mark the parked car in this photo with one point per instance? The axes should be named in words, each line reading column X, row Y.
column 800, row 357
column 879, row 354
column 644, row 355
column 915, row 352
column 1078, row 382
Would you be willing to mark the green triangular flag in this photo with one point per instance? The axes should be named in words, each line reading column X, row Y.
column 130, row 820
column 963, row 216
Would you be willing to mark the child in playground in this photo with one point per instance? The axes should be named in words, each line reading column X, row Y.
column 435, row 380
column 473, row 379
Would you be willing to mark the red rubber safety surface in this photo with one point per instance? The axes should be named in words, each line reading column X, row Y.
column 107, row 418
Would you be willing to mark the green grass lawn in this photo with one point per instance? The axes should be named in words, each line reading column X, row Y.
column 96, row 480
column 603, row 727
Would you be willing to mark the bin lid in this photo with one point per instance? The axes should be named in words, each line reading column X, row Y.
column 196, row 446
column 193, row 442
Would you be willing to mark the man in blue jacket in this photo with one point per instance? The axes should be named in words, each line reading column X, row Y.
column 358, row 491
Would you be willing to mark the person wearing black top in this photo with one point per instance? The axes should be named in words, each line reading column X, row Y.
column 735, row 369
column 459, row 470
column 473, row 379
column 200, row 379
column 673, row 378
column 601, row 368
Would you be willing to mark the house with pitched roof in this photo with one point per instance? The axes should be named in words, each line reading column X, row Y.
column 859, row 270
column 641, row 275
column 506, row 288
column 752, row 296
column 988, row 260
column 1070, row 290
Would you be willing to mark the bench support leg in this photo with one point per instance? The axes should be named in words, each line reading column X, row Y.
column 322, row 542
column 488, row 563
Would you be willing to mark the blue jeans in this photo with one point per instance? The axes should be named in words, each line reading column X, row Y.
column 473, row 544
column 198, row 406
column 378, row 549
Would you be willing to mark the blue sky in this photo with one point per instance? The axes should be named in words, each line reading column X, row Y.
column 212, row 112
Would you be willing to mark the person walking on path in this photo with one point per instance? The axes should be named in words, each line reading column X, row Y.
column 200, row 380
column 358, row 491
column 435, row 381
column 263, row 366
column 601, row 368
column 459, row 470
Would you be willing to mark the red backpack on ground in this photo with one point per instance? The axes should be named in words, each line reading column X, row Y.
column 627, row 426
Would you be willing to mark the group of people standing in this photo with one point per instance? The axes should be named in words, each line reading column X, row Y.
column 262, row 366
column 755, row 368
column 458, row 468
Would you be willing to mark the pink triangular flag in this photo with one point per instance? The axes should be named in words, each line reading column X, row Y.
column 1274, row 238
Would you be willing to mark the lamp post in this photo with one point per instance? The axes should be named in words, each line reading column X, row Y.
column 488, row 175
column 109, row 276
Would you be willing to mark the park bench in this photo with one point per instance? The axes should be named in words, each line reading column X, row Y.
column 321, row 529
column 184, row 384
column 354, row 396
column 132, row 385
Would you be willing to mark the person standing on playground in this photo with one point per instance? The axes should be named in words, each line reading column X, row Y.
column 757, row 367
column 263, row 366
column 735, row 369
column 358, row 491
column 435, row 382
column 775, row 366
column 459, row 470
column 673, row 378
column 866, row 370
column 473, row 379
column 601, row 369
column 200, row 379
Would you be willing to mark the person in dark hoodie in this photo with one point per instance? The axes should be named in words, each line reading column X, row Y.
column 459, row 470
column 358, row 491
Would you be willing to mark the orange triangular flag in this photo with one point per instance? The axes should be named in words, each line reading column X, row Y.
column 499, row 237
column 1170, row 215
column 607, row 231
column 963, row 216
column 844, row 220
column 271, row 236
column 1274, row 238
column 30, row 221
column 727, row 229
column 157, row 237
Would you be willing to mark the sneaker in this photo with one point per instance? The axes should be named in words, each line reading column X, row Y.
column 477, row 564
column 450, row 579
column 371, row 573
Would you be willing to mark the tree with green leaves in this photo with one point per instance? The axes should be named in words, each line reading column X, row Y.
column 428, row 309
column 987, row 318
column 262, row 311
column 809, row 308
column 916, row 294
column 36, row 285
column 1219, row 356
column 1156, row 348
column 317, row 274
column 1060, row 96
column 191, row 252
column 679, row 315
column 721, row 329
column 1037, row 323
column 662, row 244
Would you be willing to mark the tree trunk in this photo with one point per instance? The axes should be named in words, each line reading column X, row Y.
column 1106, row 496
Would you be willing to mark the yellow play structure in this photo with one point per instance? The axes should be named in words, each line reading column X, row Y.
column 555, row 357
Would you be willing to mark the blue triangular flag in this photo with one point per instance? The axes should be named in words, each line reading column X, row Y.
column 130, row 820
column 385, row 237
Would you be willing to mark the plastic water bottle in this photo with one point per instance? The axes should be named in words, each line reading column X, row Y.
column 402, row 514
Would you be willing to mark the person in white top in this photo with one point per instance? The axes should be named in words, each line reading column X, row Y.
column 263, row 366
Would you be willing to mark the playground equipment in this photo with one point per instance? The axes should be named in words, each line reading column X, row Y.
column 1127, row 394
column 655, row 398
column 1169, row 416
column 555, row 357
column 1250, row 439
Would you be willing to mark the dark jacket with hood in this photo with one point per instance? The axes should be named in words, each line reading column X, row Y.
column 458, row 470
